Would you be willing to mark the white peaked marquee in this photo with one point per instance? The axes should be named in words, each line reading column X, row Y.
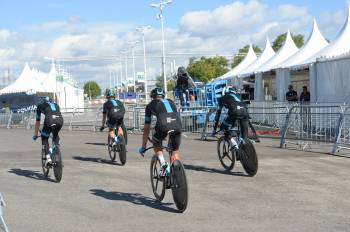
column 288, row 49
column 26, row 82
column 249, row 59
column 267, row 54
column 338, row 47
column 313, row 45
column 34, row 81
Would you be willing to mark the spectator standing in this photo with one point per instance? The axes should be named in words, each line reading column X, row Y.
column 305, row 96
column 291, row 95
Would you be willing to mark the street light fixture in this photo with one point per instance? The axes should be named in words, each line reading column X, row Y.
column 126, row 68
column 161, row 6
column 142, row 30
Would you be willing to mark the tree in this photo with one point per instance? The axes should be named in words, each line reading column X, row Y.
column 244, row 50
column 160, row 83
column 280, row 39
column 92, row 89
column 205, row 69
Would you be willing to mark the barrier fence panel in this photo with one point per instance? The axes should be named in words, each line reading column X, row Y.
column 343, row 136
column 2, row 205
column 308, row 125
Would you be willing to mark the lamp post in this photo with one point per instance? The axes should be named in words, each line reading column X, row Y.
column 126, row 68
column 132, row 44
column 142, row 31
column 160, row 16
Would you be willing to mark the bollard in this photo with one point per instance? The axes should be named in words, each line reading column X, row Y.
column 2, row 204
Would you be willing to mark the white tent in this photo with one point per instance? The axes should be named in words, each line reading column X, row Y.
column 26, row 82
column 288, row 49
column 249, row 59
column 34, row 81
column 338, row 47
column 313, row 45
column 267, row 54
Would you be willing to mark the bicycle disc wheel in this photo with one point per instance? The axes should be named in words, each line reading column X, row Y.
column 157, row 181
column 179, row 185
column 122, row 150
column 125, row 132
column 58, row 165
column 226, row 156
column 249, row 158
column 111, row 150
column 43, row 159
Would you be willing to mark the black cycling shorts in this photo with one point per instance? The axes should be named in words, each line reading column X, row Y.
column 114, row 123
column 175, row 138
column 51, row 126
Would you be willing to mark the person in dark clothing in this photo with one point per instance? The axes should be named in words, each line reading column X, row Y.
column 305, row 95
column 291, row 95
column 237, row 110
column 52, row 124
column 168, row 119
column 113, row 112
column 182, row 84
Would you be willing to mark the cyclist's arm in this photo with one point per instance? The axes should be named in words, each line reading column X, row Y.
column 104, row 117
column 147, row 126
column 217, row 117
column 37, row 122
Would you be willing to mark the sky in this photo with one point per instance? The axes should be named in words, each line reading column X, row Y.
column 33, row 29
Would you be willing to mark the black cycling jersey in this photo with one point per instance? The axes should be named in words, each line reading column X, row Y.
column 236, row 109
column 48, row 109
column 115, row 111
column 167, row 119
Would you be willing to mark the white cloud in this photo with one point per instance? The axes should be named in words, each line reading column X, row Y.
column 222, row 30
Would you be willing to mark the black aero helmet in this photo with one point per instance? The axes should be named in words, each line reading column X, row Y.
column 181, row 71
column 157, row 92
column 109, row 93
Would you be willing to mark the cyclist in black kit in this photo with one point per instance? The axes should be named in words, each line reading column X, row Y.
column 236, row 110
column 52, row 124
column 113, row 112
column 167, row 120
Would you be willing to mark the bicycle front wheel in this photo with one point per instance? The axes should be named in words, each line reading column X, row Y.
column 43, row 160
column 157, row 181
column 179, row 185
column 249, row 158
column 58, row 165
column 226, row 156
column 122, row 150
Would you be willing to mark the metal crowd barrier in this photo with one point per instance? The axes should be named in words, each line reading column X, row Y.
column 3, row 204
column 302, row 125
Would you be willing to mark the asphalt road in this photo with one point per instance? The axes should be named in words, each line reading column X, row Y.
column 293, row 190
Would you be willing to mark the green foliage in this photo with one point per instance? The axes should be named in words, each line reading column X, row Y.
column 92, row 89
column 279, row 41
column 244, row 50
column 205, row 69
column 159, row 83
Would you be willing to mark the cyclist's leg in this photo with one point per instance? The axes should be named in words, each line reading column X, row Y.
column 175, row 141
column 244, row 123
column 158, row 138
column 226, row 123
column 55, row 130
column 119, row 126
column 111, row 124
column 45, row 134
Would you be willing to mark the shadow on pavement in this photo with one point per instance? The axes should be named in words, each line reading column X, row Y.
column 134, row 198
column 96, row 160
column 36, row 175
column 213, row 170
column 97, row 144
